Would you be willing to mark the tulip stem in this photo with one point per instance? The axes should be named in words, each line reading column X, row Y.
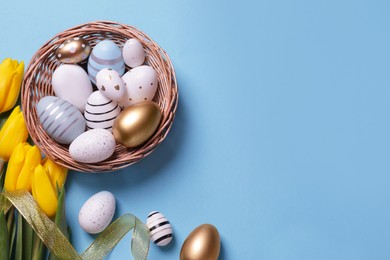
column 2, row 162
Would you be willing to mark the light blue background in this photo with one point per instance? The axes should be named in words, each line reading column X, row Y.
column 281, row 138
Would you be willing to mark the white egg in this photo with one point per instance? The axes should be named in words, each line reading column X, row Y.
column 133, row 53
column 110, row 83
column 141, row 84
column 97, row 212
column 100, row 112
column 93, row 146
column 60, row 119
column 71, row 83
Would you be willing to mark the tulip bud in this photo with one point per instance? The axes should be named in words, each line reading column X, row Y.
column 13, row 132
column 11, row 75
column 15, row 165
column 32, row 159
column 43, row 191
column 56, row 172
column 20, row 168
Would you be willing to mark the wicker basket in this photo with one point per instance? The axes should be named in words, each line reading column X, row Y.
column 37, row 84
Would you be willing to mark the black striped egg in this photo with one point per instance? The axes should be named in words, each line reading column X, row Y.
column 100, row 112
column 160, row 228
column 60, row 119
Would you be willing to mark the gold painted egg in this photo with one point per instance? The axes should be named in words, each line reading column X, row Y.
column 137, row 124
column 203, row 243
column 73, row 50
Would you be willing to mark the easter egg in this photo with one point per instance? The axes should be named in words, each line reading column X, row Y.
column 71, row 83
column 136, row 124
column 111, row 84
column 141, row 84
column 93, row 146
column 106, row 54
column 61, row 120
column 73, row 50
column 133, row 53
column 97, row 212
column 160, row 228
column 203, row 243
column 100, row 112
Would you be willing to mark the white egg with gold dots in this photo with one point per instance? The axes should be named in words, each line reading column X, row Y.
column 141, row 85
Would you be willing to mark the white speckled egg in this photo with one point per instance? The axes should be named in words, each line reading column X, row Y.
column 97, row 212
column 93, row 146
column 106, row 54
column 133, row 53
column 110, row 83
column 60, row 119
column 100, row 112
column 71, row 83
column 160, row 228
column 141, row 84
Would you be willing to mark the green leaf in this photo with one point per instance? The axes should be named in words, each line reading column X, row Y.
column 11, row 227
column 19, row 238
column 4, row 239
column 12, row 236
column 10, row 219
column 27, row 240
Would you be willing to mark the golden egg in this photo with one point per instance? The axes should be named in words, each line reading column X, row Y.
column 203, row 243
column 137, row 123
column 73, row 50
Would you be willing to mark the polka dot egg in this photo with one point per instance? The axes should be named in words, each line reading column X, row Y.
column 97, row 212
column 73, row 50
column 93, row 146
column 141, row 85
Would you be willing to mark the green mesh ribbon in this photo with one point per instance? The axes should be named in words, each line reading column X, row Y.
column 57, row 243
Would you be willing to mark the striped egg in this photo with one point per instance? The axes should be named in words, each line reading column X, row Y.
column 100, row 112
column 106, row 54
column 160, row 228
column 60, row 119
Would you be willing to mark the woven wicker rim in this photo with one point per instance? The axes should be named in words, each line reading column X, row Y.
column 37, row 84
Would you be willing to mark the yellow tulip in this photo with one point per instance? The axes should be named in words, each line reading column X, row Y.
column 13, row 132
column 11, row 75
column 43, row 191
column 20, row 168
column 56, row 172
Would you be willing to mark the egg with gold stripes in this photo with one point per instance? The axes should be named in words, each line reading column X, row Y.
column 60, row 119
column 160, row 228
column 106, row 54
column 100, row 112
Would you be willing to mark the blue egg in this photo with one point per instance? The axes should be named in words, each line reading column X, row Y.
column 106, row 54
column 60, row 119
